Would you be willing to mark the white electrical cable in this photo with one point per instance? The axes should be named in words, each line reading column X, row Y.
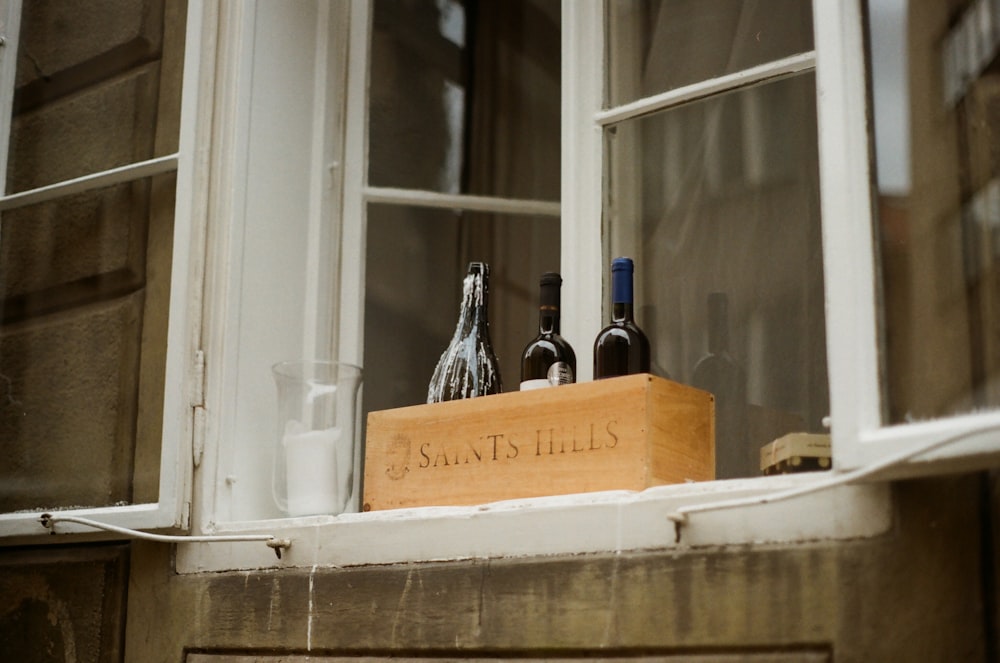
column 680, row 516
column 48, row 521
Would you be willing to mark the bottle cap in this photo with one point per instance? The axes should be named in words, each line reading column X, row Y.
column 621, row 280
column 550, row 283
column 622, row 264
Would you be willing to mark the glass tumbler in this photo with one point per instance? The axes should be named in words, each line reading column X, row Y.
column 316, row 450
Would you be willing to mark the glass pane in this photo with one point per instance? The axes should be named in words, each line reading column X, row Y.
column 416, row 261
column 88, row 89
column 85, row 279
column 659, row 45
column 722, row 196
column 84, row 284
column 464, row 97
column 936, row 102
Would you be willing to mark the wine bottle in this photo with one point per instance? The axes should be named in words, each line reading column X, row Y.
column 717, row 372
column 548, row 360
column 621, row 348
column 468, row 367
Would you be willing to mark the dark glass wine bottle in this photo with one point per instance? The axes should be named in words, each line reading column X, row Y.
column 468, row 367
column 548, row 360
column 621, row 348
column 717, row 372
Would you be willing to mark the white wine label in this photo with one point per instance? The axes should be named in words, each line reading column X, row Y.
column 558, row 373
column 561, row 373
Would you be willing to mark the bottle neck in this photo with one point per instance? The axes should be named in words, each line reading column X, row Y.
column 475, row 300
column 479, row 315
column 718, row 340
column 622, row 312
column 718, row 323
column 548, row 307
column 548, row 320
column 621, row 296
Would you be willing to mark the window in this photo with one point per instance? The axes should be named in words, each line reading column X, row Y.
column 95, row 249
column 711, row 182
column 405, row 227
column 922, row 379
column 706, row 169
column 936, row 206
column 388, row 239
column 463, row 165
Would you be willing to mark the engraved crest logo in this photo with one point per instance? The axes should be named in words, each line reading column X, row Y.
column 398, row 457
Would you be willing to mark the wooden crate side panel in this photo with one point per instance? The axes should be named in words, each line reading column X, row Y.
column 682, row 438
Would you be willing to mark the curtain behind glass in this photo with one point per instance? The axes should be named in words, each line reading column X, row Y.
column 718, row 202
column 465, row 98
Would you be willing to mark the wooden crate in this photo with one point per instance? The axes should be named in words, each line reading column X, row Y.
column 621, row 433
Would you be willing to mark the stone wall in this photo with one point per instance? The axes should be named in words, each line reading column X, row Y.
column 925, row 591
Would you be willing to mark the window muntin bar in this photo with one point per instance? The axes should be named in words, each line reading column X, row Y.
column 722, row 196
column 127, row 173
column 659, row 45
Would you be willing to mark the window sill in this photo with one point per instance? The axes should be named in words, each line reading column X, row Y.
column 605, row 522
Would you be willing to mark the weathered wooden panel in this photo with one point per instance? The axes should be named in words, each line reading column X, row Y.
column 62, row 605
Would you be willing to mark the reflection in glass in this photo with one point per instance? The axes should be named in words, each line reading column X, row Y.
column 88, row 91
column 719, row 201
column 85, row 279
column 659, row 45
column 417, row 259
column 935, row 104
column 465, row 97
column 82, row 346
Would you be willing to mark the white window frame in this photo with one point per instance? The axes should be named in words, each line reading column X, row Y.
column 333, row 188
column 598, row 522
column 182, row 385
column 273, row 178
column 860, row 436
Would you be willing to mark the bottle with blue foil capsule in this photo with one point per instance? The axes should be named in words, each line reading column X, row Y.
column 621, row 348
column 468, row 367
